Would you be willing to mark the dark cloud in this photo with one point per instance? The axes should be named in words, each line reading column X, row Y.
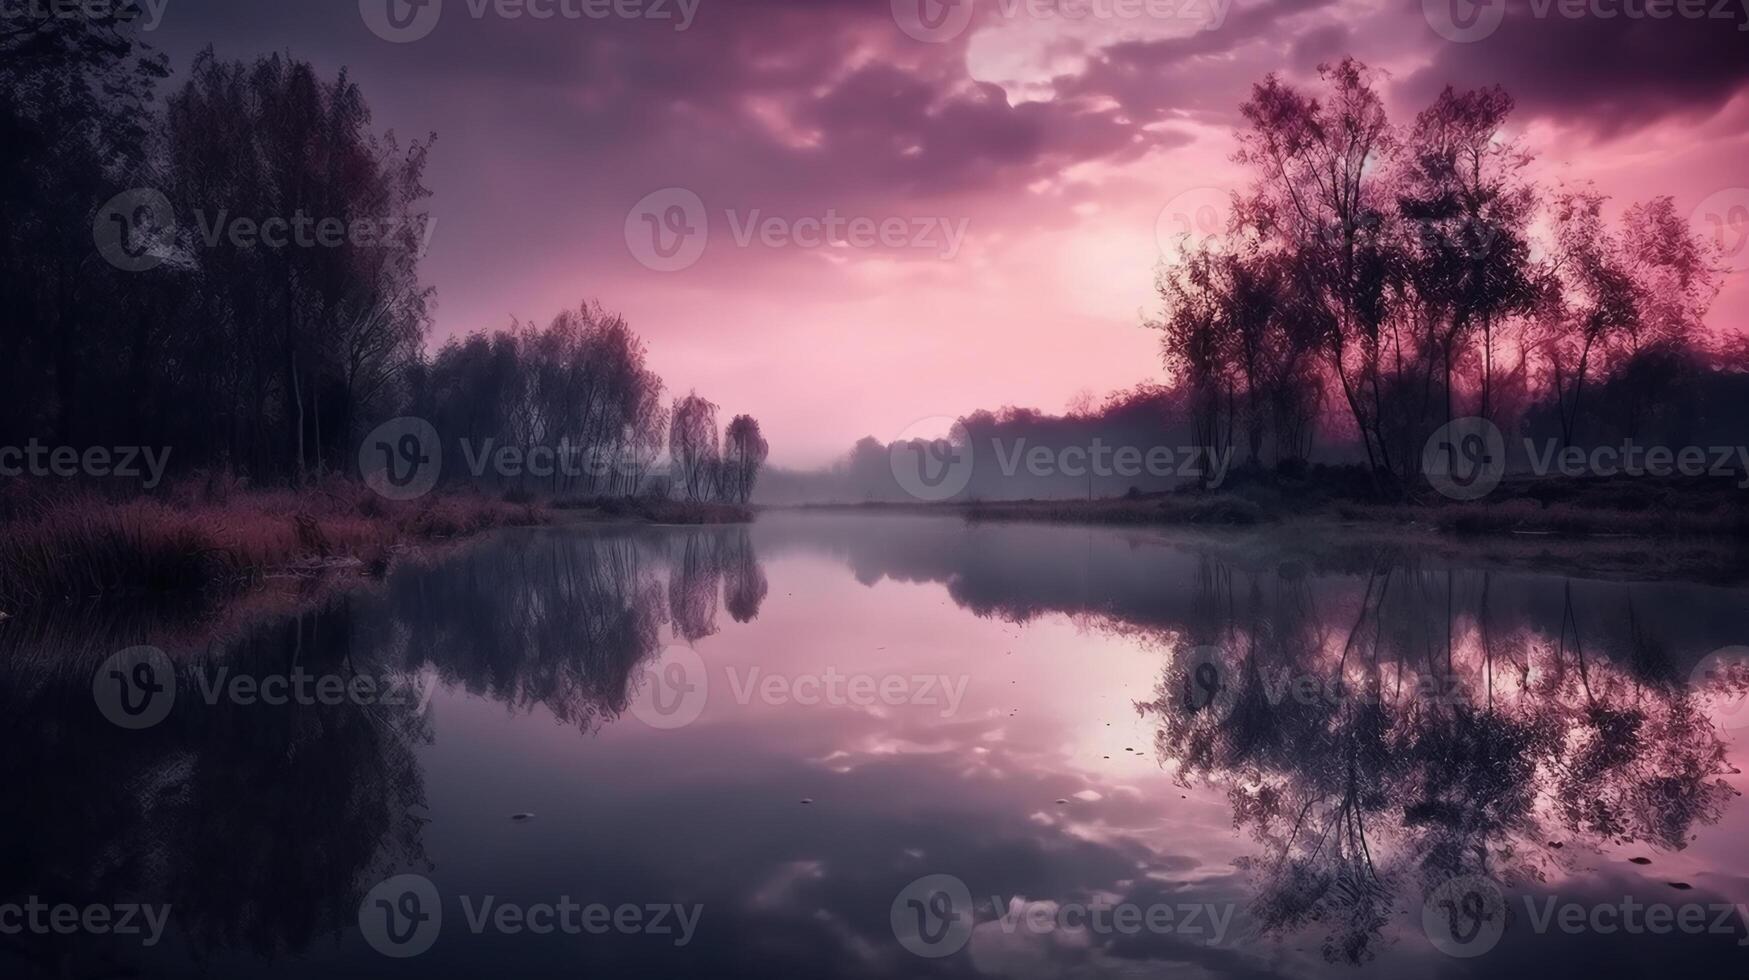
column 1611, row 75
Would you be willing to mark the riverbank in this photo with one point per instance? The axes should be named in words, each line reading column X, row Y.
column 1559, row 506
column 211, row 542
column 1614, row 527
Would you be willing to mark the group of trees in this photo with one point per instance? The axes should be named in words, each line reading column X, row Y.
column 580, row 386
column 226, row 348
column 706, row 468
column 273, row 313
column 1410, row 275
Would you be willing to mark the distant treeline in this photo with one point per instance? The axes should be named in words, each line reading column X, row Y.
column 1375, row 282
column 232, row 271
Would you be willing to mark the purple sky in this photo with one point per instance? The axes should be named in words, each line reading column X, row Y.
column 1021, row 157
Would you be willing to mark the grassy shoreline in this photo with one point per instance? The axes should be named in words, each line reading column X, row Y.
column 1613, row 527
column 1559, row 507
column 216, row 542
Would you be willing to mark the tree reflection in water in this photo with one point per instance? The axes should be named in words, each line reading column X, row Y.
column 1377, row 745
column 262, row 824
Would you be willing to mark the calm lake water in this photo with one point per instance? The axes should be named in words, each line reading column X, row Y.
column 833, row 745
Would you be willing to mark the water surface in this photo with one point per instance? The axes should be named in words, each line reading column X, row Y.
column 813, row 733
